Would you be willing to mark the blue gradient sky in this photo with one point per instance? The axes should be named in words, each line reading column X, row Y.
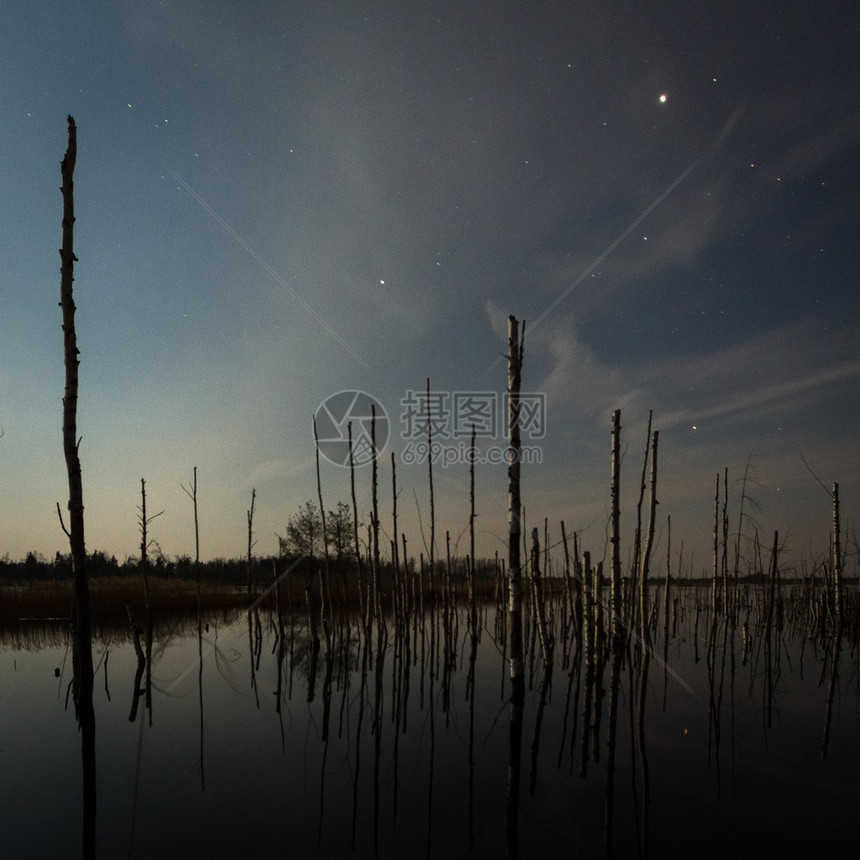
column 279, row 201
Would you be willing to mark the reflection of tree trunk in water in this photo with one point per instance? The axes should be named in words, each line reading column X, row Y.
column 643, row 755
column 574, row 676
column 200, row 690
column 377, row 729
column 291, row 624
column 258, row 638
column 713, row 717
column 665, row 664
column 470, row 695
column 325, row 728
column 696, row 630
column 362, row 693
column 135, row 791
column 615, row 678
column 544, row 692
column 105, row 661
column 313, row 660
column 448, row 664
column 312, row 618
column 716, row 697
column 431, row 716
column 141, row 663
column 831, row 689
column 396, row 658
column 407, row 668
column 609, row 798
column 279, row 660
column 400, row 634
column 148, row 681
column 251, row 652
column 138, row 688
column 314, row 639
column 515, row 742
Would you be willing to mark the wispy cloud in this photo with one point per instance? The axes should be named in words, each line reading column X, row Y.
column 786, row 371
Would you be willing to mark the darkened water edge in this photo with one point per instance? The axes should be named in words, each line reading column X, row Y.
column 395, row 757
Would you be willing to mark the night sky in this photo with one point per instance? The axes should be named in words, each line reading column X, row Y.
column 277, row 202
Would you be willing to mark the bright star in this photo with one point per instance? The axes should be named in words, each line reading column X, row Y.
column 663, row 98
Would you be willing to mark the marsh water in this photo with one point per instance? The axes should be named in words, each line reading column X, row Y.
column 233, row 739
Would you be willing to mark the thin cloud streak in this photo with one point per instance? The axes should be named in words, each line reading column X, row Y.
column 741, row 381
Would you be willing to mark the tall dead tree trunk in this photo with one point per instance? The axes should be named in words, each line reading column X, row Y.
column 82, row 636
column 615, row 536
column 70, row 427
column 432, row 550
column 325, row 594
column 251, row 542
column 546, row 639
column 836, row 560
column 144, row 521
column 645, row 566
column 515, row 365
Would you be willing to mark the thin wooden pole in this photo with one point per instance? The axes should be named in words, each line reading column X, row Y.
column 837, row 559
column 82, row 636
column 615, row 532
column 515, row 358
column 646, row 558
column 77, row 544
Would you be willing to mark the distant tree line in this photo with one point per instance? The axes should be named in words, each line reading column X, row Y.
column 299, row 546
column 36, row 567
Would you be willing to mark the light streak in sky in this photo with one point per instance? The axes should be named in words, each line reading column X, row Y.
column 610, row 248
column 272, row 272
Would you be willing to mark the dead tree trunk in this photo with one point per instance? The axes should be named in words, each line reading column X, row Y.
column 546, row 639
column 251, row 542
column 649, row 542
column 837, row 560
column 325, row 594
column 515, row 364
column 615, row 537
column 82, row 635
column 70, row 429
column 432, row 550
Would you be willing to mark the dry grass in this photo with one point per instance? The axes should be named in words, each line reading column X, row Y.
column 109, row 597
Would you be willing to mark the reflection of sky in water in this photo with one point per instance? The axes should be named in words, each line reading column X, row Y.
column 272, row 785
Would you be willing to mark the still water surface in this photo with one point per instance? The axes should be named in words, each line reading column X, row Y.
column 404, row 753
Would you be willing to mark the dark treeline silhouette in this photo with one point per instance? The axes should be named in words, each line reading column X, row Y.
column 35, row 567
column 218, row 571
